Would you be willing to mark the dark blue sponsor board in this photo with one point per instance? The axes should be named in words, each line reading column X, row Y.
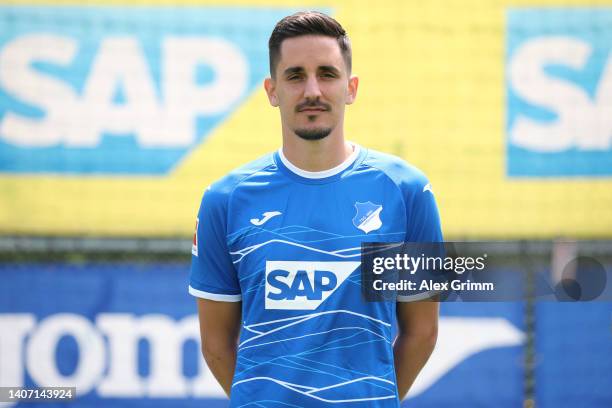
column 72, row 295
column 574, row 364
column 58, row 313
column 490, row 377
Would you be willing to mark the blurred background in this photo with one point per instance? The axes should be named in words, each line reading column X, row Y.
column 116, row 115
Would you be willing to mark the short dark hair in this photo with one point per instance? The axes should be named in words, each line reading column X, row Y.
column 307, row 23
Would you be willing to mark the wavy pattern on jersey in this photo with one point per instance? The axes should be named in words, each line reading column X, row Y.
column 299, row 348
column 304, row 237
column 286, row 236
column 296, row 349
column 302, row 234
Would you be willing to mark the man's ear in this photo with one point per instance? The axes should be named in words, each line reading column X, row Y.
column 270, row 87
column 352, row 90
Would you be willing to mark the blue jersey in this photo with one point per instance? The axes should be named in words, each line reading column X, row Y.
column 286, row 243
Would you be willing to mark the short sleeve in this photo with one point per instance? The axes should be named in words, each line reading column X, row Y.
column 213, row 275
column 423, row 219
column 421, row 212
column 423, row 226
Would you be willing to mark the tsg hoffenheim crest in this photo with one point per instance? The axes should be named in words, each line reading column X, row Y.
column 367, row 217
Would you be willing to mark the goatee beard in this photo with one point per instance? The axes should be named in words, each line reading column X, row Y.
column 313, row 134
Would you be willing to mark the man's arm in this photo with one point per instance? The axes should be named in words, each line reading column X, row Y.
column 219, row 331
column 417, row 334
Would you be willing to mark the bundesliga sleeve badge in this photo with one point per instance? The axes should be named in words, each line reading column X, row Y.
column 194, row 245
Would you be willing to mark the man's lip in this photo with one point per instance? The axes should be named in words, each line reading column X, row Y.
column 312, row 110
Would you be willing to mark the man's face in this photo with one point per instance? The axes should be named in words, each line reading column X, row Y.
column 312, row 86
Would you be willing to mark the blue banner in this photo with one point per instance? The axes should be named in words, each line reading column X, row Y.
column 122, row 90
column 574, row 363
column 126, row 334
column 559, row 92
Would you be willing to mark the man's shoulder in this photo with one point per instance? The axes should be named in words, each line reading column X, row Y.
column 402, row 173
column 228, row 183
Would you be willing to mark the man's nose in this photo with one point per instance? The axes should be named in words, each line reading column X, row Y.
column 312, row 89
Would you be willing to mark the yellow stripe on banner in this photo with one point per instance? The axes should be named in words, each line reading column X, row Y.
column 431, row 90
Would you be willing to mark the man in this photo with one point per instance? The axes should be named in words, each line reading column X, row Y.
column 276, row 257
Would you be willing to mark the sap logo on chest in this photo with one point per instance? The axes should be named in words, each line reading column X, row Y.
column 299, row 285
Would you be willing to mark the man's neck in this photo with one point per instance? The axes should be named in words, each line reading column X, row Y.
column 316, row 155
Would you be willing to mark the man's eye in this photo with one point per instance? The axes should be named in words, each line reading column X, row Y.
column 328, row 75
column 293, row 77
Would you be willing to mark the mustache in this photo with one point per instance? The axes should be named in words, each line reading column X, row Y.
column 312, row 104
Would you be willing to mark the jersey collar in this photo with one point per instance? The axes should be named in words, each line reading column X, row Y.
column 316, row 175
